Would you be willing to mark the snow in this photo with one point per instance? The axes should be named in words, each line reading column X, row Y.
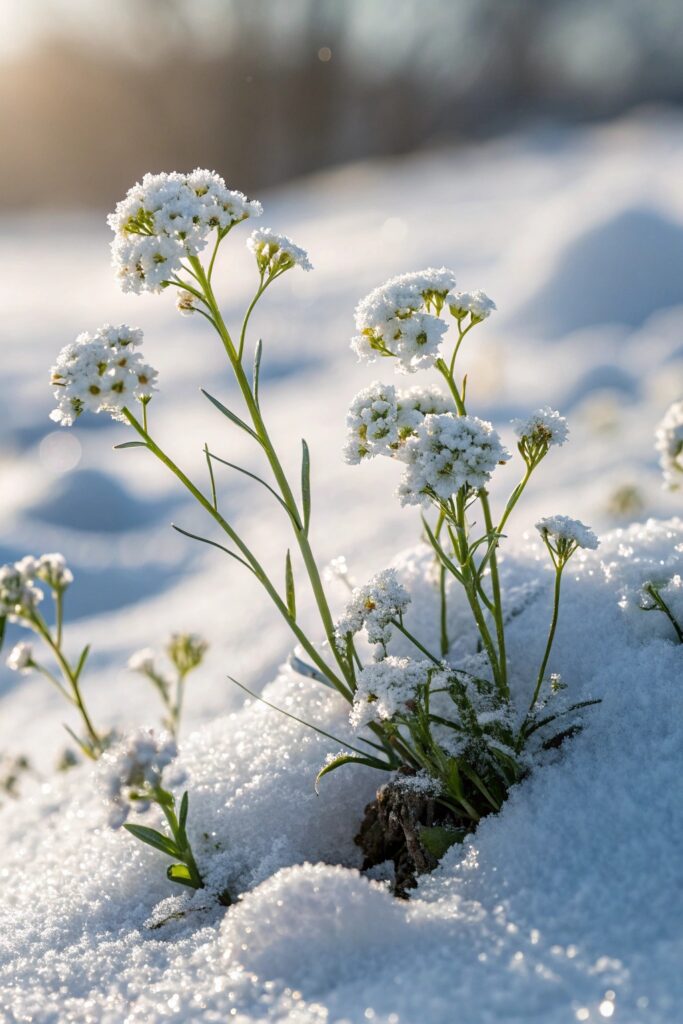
column 566, row 906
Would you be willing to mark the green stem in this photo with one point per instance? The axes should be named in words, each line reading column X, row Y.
column 399, row 625
column 258, row 570
column 245, row 323
column 278, row 473
column 497, row 610
column 551, row 634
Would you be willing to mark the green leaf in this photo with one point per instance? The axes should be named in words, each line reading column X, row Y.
column 341, row 759
column 213, row 543
column 253, row 476
column 3, row 628
column 306, row 484
column 131, row 444
column 289, row 586
column 81, row 662
column 182, row 813
column 231, row 416
column 154, row 839
column 257, row 368
column 439, row 838
column 180, row 873
column 443, row 557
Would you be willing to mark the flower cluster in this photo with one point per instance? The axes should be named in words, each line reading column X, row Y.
column 564, row 535
column 394, row 319
column 166, row 218
column 540, row 431
column 18, row 594
column 133, row 769
column 373, row 606
column 380, row 418
column 276, row 253
column 386, row 689
column 20, row 658
column 101, row 372
column 669, row 445
column 476, row 303
column 53, row 570
column 448, row 453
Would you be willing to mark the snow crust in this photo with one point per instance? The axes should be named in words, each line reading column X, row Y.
column 570, row 898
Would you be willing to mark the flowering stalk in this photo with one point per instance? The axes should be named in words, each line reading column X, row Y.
column 186, row 652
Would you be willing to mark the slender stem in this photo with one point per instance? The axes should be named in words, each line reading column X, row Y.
column 512, row 501
column 278, row 472
column 497, row 610
column 245, row 551
column 443, row 619
column 59, row 615
column 245, row 323
column 551, row 634
column 399, row 625
column 663, row 607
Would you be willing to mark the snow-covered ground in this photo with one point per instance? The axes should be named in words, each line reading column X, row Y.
column 564, row 907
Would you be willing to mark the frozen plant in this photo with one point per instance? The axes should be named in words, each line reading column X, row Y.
column 131, row 776
column 185, row 651
column 20, row 598
column 669, row 445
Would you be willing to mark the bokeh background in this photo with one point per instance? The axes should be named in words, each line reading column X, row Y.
column 536, row 146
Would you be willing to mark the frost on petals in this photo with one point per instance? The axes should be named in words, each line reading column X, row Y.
column 380, row 418
column 397, row 319
column 386, row 688
column 20, row 658
column 166, row 218
column 448, row 453
column 539, row 432
column 669, row 445
column 276, row 253
column 373, row 606
column 477, row 303
column 132, row 768
column 100, row 372
column 566, row 534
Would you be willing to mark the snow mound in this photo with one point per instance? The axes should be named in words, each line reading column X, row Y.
column 566, row 906
column 621, row 271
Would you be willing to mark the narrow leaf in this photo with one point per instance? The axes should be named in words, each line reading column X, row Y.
column 308, row 671
column 3, row 628
column 257, row 368
column 214, row 544
column 179, row 873
column 443, row 557
column 253, row 476
column 337, row 762
column 153, row 838
column 437, row 839
column 231, row 415
column 130, row 444
column 81, row 662
column 214, row 496
column 289, row 587
column 306, row 484
column 182, row 814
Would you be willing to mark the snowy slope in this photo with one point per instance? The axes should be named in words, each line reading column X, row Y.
column 572, row 892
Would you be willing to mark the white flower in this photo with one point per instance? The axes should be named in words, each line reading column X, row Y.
column 133, row 768
column 101, row 372
column 18, row 595
column 669, row 445
column 20, row 658
column 374, row 605
column 186, row 651
column 52, row 569
column 276, row 253
column 166, row 218
column 448, row 453
column 540, row 431
column 372, row 423
column 416, row 403
column 185, row 303
column 386, row 688
column 393, row 320
column 566, row 534
column 477, row 303
column 142, row 661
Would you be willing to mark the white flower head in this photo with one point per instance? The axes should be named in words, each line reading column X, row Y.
column 396, row 319
column 143, row 661
column 186, row 651
column 53, row 570
column 373, row 606
column 132, row 768
column 276, row 253
column 669, row 445
column 476, row 303
column 564, row 535
column 448, row 453
column 416, row 403
column 540, row 431
column 18, row 594
column 20, row 658
column 386, row 689
column 166, row 218
column 101, row 372
column 372, row 423
column 185, row 303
